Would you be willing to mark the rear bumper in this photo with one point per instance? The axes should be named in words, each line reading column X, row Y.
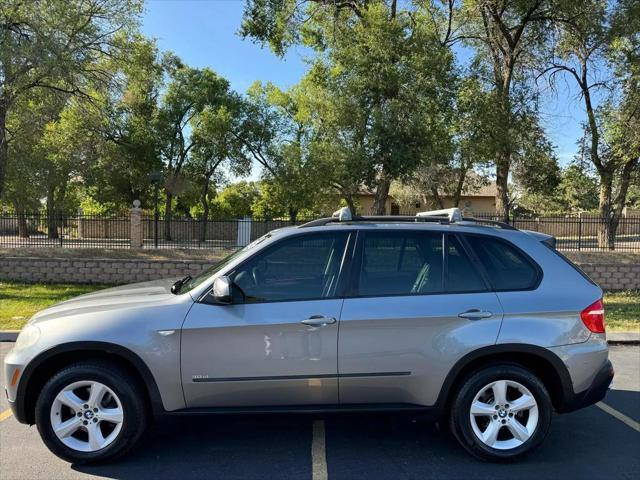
column 596, row 392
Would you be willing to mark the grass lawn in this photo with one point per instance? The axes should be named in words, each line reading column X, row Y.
column 19, row 301
column 622, row 311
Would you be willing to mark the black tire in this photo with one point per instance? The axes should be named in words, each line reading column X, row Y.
column 460, row 422
column 126, row 388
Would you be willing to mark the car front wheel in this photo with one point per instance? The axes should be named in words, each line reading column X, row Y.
column 90, row 411
column 501, row 413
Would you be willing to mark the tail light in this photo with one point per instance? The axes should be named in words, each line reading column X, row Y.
column 593, row 317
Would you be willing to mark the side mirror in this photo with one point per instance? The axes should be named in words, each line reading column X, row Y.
column 221, row 291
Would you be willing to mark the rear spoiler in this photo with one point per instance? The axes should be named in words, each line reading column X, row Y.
column 548, row 240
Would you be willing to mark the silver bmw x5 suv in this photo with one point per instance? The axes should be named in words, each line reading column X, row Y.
column 476, row 322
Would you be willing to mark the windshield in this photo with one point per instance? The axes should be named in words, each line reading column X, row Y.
column 205, row 274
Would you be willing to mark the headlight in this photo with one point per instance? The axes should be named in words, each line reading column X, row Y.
column 28, row 337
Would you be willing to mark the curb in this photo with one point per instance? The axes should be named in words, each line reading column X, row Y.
column 9, row 335
column 615, row 338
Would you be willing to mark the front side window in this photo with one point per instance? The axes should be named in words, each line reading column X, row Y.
column 506, row 267
column 400, row 263
column 302, row 267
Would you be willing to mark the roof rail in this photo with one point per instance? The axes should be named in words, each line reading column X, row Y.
column 445, row 216
column 453, row 214
column 496, row 223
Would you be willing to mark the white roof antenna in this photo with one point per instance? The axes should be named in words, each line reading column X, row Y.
column 343, row 215
column 454, row 214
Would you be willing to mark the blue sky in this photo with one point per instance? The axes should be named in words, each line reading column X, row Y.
column 204, row 33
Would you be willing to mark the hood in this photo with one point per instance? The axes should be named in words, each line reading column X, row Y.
column 124, row 297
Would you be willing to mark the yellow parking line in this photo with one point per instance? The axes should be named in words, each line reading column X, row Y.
column 620, row 416
column 4, row 415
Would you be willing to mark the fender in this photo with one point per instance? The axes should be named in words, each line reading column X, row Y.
column 560, row 369
column 20, row 406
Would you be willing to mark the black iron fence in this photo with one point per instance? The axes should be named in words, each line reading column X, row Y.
column 45, row 229
column 42, row 229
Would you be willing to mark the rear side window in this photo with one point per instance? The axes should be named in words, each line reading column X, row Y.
column 400, row 263
column 507, row 268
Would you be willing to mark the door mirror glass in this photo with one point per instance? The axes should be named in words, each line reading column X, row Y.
column 221, row 291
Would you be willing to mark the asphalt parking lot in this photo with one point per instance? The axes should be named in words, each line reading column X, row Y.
column 597, row 442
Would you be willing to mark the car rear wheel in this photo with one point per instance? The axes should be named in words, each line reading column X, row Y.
column 501, row 413
column 90, row 412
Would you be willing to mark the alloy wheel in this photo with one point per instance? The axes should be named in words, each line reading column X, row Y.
column 87, row 416
column 504, row 414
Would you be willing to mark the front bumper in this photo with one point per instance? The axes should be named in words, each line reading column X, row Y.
column 596, row 392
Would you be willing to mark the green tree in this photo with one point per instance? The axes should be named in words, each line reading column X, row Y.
column 278, row 135
column 216, row 146
column 189, row 92
column 26, row 177
column 124, row 117
column 385, row 68
column 55, row 45
column 507, row 37
column 597, row 48
column 236, row 200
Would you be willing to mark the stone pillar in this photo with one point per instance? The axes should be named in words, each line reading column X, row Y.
column 244, row 232
column 80, row 223
column 136, row 225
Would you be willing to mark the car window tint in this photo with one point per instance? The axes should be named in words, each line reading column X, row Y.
column 462, row 276
column 507, row 268
column 400, row 263
column 303, row 267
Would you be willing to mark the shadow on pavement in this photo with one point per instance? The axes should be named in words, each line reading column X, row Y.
column 217, row 448
column 585, row 444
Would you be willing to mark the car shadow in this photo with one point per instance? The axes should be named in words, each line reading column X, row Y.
column 588, row 443
column 216, row 447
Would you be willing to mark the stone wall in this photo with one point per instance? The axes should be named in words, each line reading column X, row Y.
column 614, row 276
column 604, row 269
column 113, row 271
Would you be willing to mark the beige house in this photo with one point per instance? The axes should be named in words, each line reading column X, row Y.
column 481, row 200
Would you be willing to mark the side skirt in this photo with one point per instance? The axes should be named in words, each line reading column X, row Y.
column 313, row 409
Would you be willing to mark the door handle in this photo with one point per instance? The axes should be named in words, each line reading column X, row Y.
column 475, row 314
column 318, row 321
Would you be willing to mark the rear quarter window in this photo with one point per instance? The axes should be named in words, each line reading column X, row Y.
column 506, row 266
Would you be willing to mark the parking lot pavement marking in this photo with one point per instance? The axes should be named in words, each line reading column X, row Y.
column 318, row 453
column 6, row 414
column 620, row 416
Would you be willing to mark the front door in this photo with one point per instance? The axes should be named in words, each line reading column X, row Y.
column 277, row 344
column 418, row 305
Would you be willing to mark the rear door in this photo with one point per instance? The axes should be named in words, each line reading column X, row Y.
column 417, row 305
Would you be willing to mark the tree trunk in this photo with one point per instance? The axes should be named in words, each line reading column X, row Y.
column 502, row 191
column 606, row 233
column 167, row 215
column 462, row 176
column 436, row 196
column 52, row 216
column 379, row 206
column 350, row 203
column 4, row 147
column 23, row 227
column 293, row 216
column 204, row 199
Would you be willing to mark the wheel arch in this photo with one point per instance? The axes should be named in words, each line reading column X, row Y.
column 545, row 364
column 42, row 367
